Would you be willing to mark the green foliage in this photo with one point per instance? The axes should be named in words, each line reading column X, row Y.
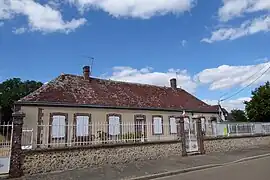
column 12, row 90
column 238, row 115
column 258, row 109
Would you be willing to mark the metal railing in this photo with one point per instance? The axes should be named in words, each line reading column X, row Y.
column 97, row 133
column 5, row 139
column 239, row 129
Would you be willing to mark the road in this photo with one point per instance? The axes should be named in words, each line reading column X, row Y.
column 258, row 169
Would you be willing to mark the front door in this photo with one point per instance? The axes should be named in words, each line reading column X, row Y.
column 140, row 128
column 191, row 135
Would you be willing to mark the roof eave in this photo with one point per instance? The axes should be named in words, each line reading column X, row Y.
column 55, row 104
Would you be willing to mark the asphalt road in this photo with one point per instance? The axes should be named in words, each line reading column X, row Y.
column 258, row 169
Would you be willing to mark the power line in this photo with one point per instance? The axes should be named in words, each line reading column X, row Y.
column 244, row 80
column 242, row 89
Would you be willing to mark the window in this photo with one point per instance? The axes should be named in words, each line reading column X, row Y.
column 173, row 126
column 114, row 122
column 157, row 125
column 203, row 122
column 58, row 126
column 82, row 126
column 186, row 123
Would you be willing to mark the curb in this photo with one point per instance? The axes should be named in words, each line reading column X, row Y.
column 181, row 171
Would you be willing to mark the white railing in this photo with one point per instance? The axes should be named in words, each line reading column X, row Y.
column 5, row 139
column 97, row 133
column 239, row 129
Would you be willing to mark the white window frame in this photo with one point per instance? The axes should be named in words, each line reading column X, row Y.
column 158, row 125
column 58, row 121
column 173, row 125
column 114, row 127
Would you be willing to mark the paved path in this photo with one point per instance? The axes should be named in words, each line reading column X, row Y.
column 126, row 171
column 249, row 170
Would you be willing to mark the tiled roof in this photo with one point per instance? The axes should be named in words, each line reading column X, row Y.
column 75, row 90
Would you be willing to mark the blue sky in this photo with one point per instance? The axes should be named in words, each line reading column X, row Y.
column 213, row 47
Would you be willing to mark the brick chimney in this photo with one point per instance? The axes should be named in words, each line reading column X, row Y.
column 173, row 83
column 86, row 72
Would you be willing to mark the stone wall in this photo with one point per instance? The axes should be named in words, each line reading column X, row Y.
column 235, row 143
column 65, row 159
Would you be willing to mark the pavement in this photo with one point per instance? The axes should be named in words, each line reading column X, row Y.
column 154, row 168
column 247, row 170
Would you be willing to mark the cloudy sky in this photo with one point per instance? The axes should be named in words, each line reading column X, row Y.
column 214, row 48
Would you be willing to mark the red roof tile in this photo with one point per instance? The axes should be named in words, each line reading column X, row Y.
column 74, row 90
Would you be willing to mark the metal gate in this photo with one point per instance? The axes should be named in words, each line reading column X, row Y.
column 5, row 147
column 191, row 130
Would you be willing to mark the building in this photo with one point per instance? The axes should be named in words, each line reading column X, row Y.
column 106, row 106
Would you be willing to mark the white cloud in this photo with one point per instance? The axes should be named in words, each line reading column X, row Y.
column 236, row 8
column 184, row 43
column 136, row 8
column 19, row 30
column 148, row 76
column 226, row 76
column 40, row 17
column 230, row 104
column 261, row 24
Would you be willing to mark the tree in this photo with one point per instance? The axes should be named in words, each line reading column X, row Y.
column 238, row 115
column 12, row 90
column 258, row 108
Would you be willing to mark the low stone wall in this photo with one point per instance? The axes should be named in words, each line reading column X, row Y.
column 41, row 161
column 235, row 143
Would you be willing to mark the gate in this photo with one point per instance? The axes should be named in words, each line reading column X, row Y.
column 5, row 147
column 191, row 133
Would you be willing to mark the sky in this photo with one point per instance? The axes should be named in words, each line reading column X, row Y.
column 214, row 48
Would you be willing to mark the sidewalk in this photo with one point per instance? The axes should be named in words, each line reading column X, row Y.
column 111, row 172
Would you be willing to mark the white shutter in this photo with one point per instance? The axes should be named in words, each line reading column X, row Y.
column 203, row 124
column 186, row 123
column 114, row 125
column 173, row 126
column 82, row 126
column 58, row 126
column 157, row 125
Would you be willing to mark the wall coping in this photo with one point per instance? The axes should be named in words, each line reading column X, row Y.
column 235, row 137
column 73, row 148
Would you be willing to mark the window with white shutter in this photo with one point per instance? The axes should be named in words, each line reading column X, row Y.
column 157, row 125
column 58, row 127
column 114, row 122
column 82, row 126
column 173, row 126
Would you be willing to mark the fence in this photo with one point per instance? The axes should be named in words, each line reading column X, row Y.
column 58, row 135
column 240, row 129
column 5, row 139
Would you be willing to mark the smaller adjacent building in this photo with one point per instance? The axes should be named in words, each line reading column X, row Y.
column 71, row 108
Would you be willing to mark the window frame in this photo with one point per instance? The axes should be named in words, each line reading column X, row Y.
column 153, row 125
column 108, row 123
column 170, row 130
column 66, row 128
column 75, row 137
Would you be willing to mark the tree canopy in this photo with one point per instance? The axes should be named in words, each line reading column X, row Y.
column 12, row 90
column 238, row 115
column 258, row 108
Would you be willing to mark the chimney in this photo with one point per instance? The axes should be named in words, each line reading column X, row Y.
column 86, row 72
column 173, row 83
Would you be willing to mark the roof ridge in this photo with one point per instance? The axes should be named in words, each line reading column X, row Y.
column 123, row 82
